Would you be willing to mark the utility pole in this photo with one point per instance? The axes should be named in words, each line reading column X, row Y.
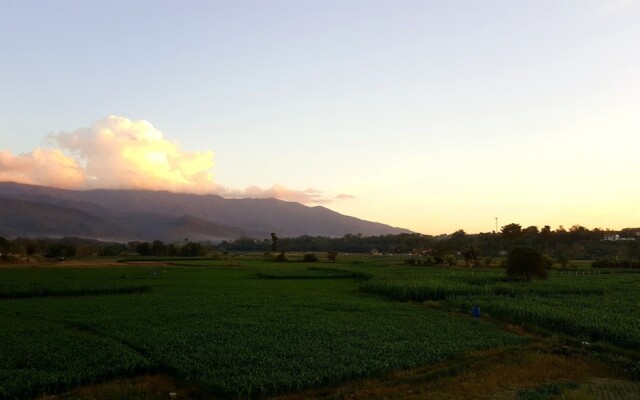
column 496, row 224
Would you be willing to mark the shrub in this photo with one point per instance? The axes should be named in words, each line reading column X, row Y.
column 525, row 262
column 411, row 261
column 562, row 260
column 309, row 257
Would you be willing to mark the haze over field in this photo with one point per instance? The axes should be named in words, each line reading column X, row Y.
column 431, row 116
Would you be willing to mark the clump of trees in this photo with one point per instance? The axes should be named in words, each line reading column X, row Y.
column 471, row 255
column 159, row 249
column 427, row 261
column 525, row 262
column 81, row 247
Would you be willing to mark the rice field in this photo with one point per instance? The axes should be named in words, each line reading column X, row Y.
column 233, row 330
column 244, row 327
column 590, row 307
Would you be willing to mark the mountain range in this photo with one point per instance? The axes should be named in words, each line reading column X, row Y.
column 124, row 215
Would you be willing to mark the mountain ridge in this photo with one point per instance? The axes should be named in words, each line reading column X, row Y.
column 131, row 214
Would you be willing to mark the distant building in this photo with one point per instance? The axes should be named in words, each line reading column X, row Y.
column 614, row 237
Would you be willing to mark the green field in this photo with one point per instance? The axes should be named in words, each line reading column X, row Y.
column 242, row 327
column 590, row 306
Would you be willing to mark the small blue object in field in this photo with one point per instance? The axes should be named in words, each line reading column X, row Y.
column 475, row 312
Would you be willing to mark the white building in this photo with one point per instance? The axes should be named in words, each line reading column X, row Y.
column 614, row 237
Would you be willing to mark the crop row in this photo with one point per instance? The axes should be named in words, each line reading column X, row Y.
column 26, row 291
column 228, row 331
column 45, row 356
column 313, row 273
column 595, row 307
column 441, row 288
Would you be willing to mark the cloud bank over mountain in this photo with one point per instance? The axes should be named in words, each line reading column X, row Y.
column 119, row 153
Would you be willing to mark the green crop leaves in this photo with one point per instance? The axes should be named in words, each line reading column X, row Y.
column 223, row 329
column 591, row 307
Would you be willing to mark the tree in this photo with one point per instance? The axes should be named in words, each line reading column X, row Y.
column 511, row 231
column 458, row 240
column 511, row 235
column 5, row 245
column 332, row 255
column 60, row 250
column 158, row 248
column 525, row 262
column 144, row 249
column 530, row 235
column 545, row 234
column 470, row 256
column 31, row 248
column 193, row 249
column 173, row 249
column 113, row 249
column 274, row 242
column 450, row 260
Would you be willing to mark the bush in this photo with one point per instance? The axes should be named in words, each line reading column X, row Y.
column 57, row 250
column 563, row 260
column 525, row 262
column 8, row 258
column 411, row 261
column 309, row 257
column 427, row 261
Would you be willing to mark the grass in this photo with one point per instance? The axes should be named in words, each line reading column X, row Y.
column 223, row 328
column 241, row 327
column 600, row 307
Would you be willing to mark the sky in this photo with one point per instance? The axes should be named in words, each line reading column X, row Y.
column 428, row 115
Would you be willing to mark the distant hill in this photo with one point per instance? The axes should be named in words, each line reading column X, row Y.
column 27, row 210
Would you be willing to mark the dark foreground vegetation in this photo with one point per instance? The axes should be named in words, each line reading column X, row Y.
column 246, row 327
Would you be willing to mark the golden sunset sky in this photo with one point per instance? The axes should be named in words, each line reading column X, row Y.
column 428, row 115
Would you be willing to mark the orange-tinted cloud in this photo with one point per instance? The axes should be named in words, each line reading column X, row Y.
column 42, row 167
column 114, row 153
column 307, row 196
column 118, row 153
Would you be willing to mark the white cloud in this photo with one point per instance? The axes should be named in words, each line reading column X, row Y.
column 307, row 196
column 118, row 153
column 42, row 167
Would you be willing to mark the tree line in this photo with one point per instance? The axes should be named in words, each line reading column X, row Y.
column 577, row 242
column 81, row 247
